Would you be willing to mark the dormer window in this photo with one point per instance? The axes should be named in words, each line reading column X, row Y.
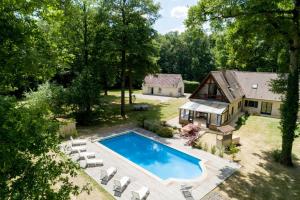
column 254, row 86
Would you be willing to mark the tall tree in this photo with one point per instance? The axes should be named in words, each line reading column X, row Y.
column 187, row 53
column 26, row 56
column 272, row 20
column 128, row 20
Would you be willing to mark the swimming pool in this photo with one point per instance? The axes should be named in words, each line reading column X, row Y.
column 159, row 159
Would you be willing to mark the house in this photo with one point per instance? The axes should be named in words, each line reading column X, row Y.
column 164, row 84
column 222, row 95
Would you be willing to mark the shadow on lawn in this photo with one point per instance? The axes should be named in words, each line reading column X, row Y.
column 271, row 181
column 111, row 112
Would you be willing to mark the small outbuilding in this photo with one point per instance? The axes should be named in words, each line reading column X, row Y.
column 164, row 84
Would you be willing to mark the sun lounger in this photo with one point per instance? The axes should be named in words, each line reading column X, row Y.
column 81, row 155
column 72, row 149
column 78, row 142
column 185, row 189
column 120, row 185
column 93, row 162
column 140, row 194
column 107, row 174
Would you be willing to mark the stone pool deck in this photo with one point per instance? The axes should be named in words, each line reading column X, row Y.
column 216, row 169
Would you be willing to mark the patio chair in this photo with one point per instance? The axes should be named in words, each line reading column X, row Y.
column 81, row 155
column 107, row 174
column 74, row 149
column 185, row 189
column 140, row 194
column 78, row 142
column 93, row 162
column 121, row 184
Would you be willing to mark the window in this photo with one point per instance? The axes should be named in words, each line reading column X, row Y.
column 159, row 90
column 232, row 110
column 252, row 104
column 212, row 90
column 266, row 108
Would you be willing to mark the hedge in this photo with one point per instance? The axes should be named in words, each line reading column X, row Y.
column 190, row 86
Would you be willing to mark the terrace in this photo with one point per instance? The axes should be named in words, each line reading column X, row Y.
column 216, row 169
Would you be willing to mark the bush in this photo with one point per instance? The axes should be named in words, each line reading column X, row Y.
column 152, row 125
column 157, row 127
column 221, row 152
column 233, row 150
column 276, row 155
column 242, row 120
column 198, row 144
column 190, row 86
column 165, row 132
column 213, row 149
column 205, row 147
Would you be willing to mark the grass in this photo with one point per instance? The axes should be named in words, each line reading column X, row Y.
column 260, row 177
column 158, row 110
column 96, row 188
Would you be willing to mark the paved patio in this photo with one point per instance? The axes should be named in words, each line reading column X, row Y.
column 217, row 170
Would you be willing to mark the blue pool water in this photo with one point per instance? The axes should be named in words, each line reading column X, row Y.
column 161, row 160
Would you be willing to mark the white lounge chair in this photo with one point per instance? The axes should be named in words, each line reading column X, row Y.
column 78, row 142
column 185, row 189
column 107, row 174
column 93, row 162
column 72, row 149
column 121, row 184
column 140, row 194
column 81, row 155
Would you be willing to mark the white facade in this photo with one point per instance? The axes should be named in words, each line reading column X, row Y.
column 163, row 90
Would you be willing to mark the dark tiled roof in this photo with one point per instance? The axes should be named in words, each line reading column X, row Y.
column 260, row 79
column 228, row 84
column 238, row 84
column 163, row 80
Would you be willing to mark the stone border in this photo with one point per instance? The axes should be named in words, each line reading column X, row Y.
column 167, row 181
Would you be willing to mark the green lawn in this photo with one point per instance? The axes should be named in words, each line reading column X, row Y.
column 260, row 177
column 158, row 110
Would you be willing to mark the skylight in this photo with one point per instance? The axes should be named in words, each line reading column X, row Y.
column 254, row 86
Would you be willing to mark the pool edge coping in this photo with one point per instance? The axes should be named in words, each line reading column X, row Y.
column 165, row 182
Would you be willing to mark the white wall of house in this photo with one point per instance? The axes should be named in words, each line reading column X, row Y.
column 165, row 91
column 275, row 112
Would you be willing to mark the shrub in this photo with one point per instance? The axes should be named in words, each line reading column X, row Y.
column 221, row 152
column 152, row 125
column 165, row 132
column 276, row 155
column 233, row 150
column 205, row 147
column 198, row 144
column 213, row 149
column 141, row 121
column 242, row 120
column 190, row 86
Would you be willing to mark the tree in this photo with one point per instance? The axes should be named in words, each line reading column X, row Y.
column 29, row 142
column 128, row 20
column 272, row 20
column 26, row 56
column 187, row 54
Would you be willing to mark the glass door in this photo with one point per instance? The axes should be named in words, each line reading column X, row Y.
column 266, row 108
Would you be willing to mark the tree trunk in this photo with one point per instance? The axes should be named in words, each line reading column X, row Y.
column 130, row 85
column 85, row 32
column 123, row 84
column 289, row 112
column 123, row 63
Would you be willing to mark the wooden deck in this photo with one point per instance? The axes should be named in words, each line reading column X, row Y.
column 217, row 170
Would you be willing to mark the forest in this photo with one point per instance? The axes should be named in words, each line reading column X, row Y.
column 59, row 58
